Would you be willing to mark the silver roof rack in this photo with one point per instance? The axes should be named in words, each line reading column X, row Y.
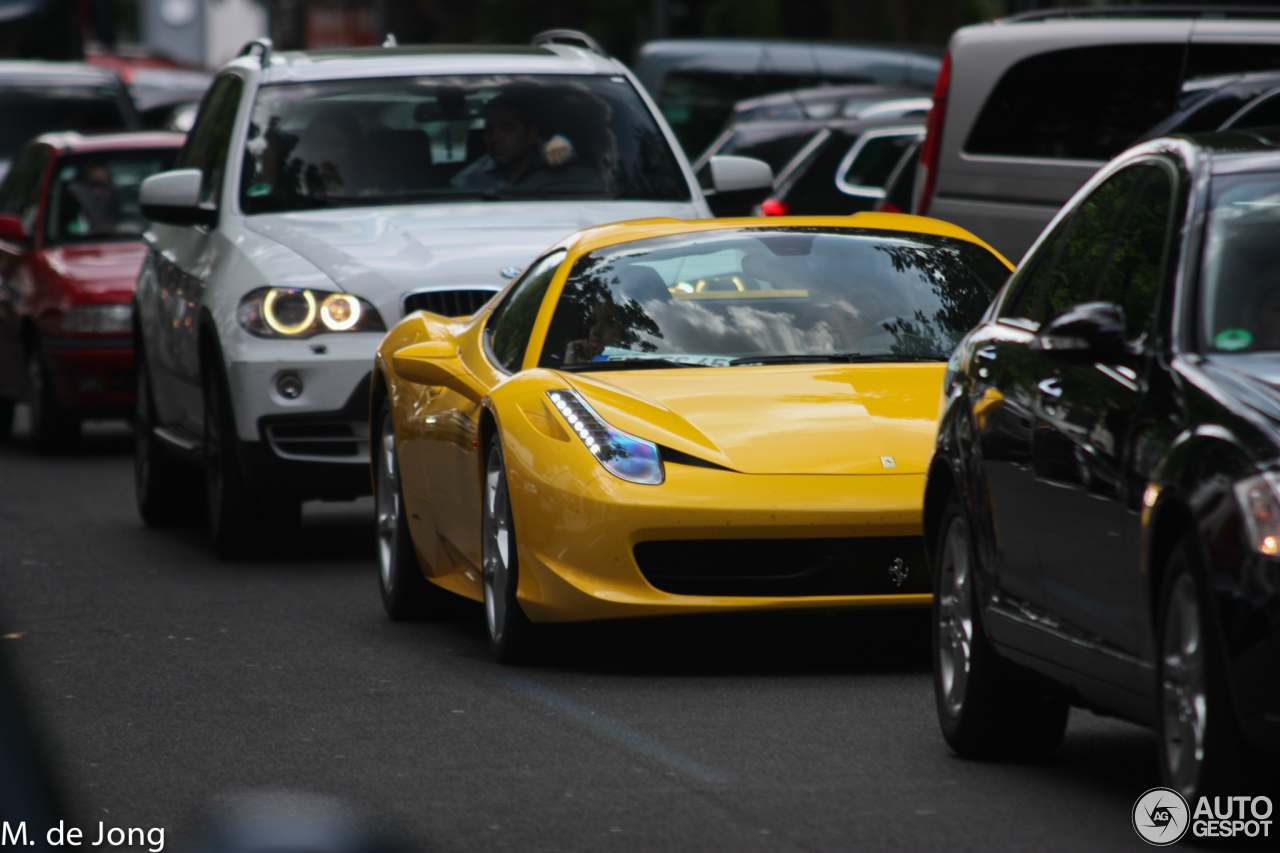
column 573, row 38
column 263, row 44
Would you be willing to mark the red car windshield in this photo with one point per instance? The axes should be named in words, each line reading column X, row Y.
column 95, row 196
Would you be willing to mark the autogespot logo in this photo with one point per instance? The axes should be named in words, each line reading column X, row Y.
column 1160, row 816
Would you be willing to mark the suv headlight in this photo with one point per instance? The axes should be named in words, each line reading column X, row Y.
column 1259, row 499
column 624, row 455
column 99, row 319
column 292, row 312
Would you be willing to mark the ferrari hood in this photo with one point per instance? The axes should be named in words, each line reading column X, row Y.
column 793, row 419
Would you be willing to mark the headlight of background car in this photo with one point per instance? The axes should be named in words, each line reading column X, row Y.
column 1259, row 499
column 291, row 312
column 99, row 319
column 622, row 454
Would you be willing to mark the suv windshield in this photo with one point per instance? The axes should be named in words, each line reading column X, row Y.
column 1240, row 296
column 95, row 196
column 389, row 141
column 772, row 295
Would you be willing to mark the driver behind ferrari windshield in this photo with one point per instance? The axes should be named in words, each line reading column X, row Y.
column 391, row 141
column 757, row 296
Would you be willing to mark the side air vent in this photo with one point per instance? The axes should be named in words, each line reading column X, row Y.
column 449, row 303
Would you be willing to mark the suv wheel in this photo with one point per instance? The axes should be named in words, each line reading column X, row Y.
column 51, row 427
column 164, row 487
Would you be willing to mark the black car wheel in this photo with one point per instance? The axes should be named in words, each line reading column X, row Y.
column 1201, row 750
column 51, row 427
column 406, row 593
column 987, row 708
column 241, row 521
column 512, row 637
column 165, row 488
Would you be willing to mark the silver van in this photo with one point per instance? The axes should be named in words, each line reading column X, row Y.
column 1028, row 108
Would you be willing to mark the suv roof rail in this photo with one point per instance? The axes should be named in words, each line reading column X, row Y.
column 1153, row 11
column 264, row 44
column 573, row 38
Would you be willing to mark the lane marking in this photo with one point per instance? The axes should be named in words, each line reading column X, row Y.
column 615, row 731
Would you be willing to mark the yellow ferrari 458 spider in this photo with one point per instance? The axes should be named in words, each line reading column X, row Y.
column 676, row 417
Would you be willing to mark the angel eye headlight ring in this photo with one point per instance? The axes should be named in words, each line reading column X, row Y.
column 273, row 320
column 339, row 312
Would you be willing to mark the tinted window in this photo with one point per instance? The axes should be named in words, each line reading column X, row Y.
column 1241, row 286
column 869, row 167
column 512, row 321
column 1212, row 113
column 775, row 148
column 32, row 110
column 1265, row 112
column 395, row 140
column 20, row 192
column 903, row 181
column 210, row 139
column 709, row 299
column 1132, row 275
column 95, row 196
column 810, row 189
column 1087, row 103
column 1213, row 60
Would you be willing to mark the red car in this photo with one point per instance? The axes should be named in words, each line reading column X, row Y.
column 70, row 250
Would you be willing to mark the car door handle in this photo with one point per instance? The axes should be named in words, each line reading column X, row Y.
column 1050, row 387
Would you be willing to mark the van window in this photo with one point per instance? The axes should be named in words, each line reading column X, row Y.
column 1085, row 103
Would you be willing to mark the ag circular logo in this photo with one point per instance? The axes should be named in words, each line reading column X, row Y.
column 1161, row 817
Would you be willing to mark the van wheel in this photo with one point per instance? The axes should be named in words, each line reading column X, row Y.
column 52, row 428
column 512, row 637
column 241, row 521
column 163, row 486
column 986, row 708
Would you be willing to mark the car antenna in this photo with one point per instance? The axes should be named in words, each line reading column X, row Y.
column 390, row 41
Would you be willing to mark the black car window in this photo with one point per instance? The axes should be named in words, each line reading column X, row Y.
column 1133, row 273
column 775, row 150
column 1240, row 291
column 20, row 192
column 1084, row 103
column 207, row 146
column 902, row 182
column 1263, row 112
column 866, row 168
column 1207, row 59
column 512, row 321
column 811, row 190
column 1067, row 267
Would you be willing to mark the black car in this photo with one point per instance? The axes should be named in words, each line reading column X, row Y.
column 1104, row 503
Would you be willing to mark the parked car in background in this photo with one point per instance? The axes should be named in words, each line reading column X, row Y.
column 322, row 196
column 43, row 97
column 1027, row 109
column 899, row 187
column 696, row 82
column 1104, row 501
column 165, row 93
column 70, row 250
column 829, row 102
column 843, row 168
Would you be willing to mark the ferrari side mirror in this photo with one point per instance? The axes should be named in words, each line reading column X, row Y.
column 435, row 363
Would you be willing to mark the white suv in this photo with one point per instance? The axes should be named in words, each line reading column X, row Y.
column 320, row 197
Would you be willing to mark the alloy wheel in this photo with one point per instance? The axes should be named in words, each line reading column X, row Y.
column 497, row 552
column 1183, row 685
column 389, row 507
column 955, row 617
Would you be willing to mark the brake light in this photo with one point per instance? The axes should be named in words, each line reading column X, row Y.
column 887, row 207
column 774, row 207
column 931, row 149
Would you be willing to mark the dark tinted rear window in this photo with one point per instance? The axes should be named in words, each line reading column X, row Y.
column 31, row 111
column 777, row 150
column 1087, row 103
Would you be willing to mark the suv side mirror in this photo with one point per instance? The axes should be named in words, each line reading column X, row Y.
column 1090, row 329
column 174, row 198
column 737, row 184
column 11, row 229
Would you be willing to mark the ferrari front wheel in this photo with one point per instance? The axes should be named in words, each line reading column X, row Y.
column 512, row 637
column 406, row 594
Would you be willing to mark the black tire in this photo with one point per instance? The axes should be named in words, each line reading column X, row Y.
column 1202, row 751
column 167, row 490
column 6, row 416
column 52, row 429
column 241, row 521
column 513, row 639
column 987, row 708
column 406, row 593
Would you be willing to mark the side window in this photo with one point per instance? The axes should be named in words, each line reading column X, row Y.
column 1135, row 269
column 1066, row 270
column 20, row 192
column 871, row 161
column 1264, row 112
column 512, row 321
column 1085, row 103
column 210, row 138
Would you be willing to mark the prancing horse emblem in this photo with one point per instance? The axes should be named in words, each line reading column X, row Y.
column 898, row 571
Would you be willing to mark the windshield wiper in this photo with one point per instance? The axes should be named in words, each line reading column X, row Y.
column 627, row 364
column 829, row 358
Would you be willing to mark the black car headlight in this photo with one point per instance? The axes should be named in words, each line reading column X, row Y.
column 292, row 312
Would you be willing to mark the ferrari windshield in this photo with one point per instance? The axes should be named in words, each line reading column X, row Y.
column 756, row 295
column 391, row 141
column 1241, row 280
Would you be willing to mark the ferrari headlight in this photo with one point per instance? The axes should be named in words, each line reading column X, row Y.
column 622, row 454
column 99, row 319
column 1259, row 499
column 293, row 312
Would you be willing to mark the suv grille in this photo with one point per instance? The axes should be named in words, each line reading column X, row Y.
column 448, row 303
column 784, row 567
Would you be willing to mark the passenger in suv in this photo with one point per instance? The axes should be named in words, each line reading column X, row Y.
column 320, row 197
column 1027, row 109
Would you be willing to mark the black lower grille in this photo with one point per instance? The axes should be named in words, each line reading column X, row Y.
column 316, row 439
column 786, row 567
column 448, row 303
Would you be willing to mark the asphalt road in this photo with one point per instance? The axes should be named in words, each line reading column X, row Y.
column 162, row 680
